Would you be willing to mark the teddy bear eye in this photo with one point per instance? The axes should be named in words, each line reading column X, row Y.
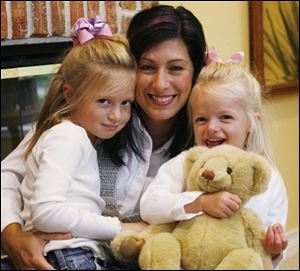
column 229, row 170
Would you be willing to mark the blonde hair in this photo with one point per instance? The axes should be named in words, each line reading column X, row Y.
column 233, row 81
column 86, row 69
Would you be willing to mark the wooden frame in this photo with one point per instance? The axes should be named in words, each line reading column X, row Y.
column 257, row 50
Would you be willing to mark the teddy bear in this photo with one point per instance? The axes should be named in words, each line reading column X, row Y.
column 205, row 242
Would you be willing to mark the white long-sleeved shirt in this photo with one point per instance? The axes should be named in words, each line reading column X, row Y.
column 131, row 179
column 61, row 189
column 164, row 199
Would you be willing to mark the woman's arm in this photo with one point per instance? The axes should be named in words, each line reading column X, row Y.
column 13, row 170
column 25, row 249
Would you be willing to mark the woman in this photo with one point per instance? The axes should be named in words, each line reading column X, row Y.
column 169, row 45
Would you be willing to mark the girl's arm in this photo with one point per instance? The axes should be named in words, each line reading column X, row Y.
column 272, row 208
column 67, row 186
column 165, row 201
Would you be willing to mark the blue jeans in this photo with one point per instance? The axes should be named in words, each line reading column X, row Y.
column 6, row 264
column 78, row 259
column 72, row 259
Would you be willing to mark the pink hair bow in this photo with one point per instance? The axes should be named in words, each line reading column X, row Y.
column 87, row 29
column 212, row 56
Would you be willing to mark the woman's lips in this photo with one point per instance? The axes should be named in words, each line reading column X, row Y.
column 165, row 100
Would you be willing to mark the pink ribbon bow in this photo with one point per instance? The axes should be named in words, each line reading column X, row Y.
column 212, row 56
column 87, row 29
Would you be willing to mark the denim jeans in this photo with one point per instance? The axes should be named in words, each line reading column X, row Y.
column 72, row 259
column 79, row 259
column 6, row 264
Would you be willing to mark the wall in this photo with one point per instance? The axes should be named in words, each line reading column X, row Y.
column 46, row 19
column 227, row 29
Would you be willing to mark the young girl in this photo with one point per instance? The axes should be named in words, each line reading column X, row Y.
column 225, row 108
column 89, row 100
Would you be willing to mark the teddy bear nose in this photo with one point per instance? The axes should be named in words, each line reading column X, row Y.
column 209, row 175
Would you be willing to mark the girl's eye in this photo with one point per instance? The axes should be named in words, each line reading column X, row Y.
column 103, row 101
column 226, row 117
column 127, row 103
column 200, row 120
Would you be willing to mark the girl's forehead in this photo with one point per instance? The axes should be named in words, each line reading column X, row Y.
column 204, row 100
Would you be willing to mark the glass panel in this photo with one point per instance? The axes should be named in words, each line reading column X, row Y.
column 21, row 98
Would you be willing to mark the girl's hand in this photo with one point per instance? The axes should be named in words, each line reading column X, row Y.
column 275, row 241
column 219, row 204
column 136, row 226
column 25, row 249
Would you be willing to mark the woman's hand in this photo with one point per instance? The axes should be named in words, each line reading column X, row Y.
column 25, row 249
column 275, row 241
column 219, row 204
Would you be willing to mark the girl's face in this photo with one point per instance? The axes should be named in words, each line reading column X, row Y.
column 104, row 117
column 218, row 120
column 164, row 80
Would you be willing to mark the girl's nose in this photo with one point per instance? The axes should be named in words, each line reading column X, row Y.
column 213, row 126
column 115, row 115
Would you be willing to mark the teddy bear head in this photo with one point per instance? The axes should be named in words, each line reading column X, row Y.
column 226, row 168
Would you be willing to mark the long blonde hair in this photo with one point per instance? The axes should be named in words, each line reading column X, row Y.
column 233, row 81
column 86, row 68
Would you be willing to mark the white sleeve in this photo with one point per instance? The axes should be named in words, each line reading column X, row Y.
column 164, row 199
column 13, row 171
column 278, row 208
column 272, row 206
column 59, row 158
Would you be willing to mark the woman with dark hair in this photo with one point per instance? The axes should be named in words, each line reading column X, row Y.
column 169, row 46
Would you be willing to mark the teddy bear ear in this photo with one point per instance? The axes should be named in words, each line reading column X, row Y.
column 193, row 154
column 262, row 174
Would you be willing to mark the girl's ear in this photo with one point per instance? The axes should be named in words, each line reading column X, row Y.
column 257, row 116
column 68, row 92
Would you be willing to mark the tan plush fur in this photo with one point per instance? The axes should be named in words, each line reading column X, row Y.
column 205, row 242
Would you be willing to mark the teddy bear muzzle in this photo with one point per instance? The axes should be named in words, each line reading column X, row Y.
column 208, row 174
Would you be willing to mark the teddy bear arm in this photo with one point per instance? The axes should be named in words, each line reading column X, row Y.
column 127, row 245
column 254, row 235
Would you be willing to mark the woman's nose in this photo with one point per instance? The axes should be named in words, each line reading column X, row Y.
column 161, row 80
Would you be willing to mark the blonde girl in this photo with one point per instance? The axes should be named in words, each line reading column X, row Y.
column 88, row 103
column 225, row 107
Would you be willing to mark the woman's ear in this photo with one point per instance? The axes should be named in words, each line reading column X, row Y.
column 68, row 92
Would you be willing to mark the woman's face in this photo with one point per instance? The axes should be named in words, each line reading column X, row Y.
column 164, row 80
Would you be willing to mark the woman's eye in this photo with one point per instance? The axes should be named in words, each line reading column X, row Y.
column 146, row 68
column 176, row 68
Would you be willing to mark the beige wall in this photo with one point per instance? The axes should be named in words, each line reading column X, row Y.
column 227, row 29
